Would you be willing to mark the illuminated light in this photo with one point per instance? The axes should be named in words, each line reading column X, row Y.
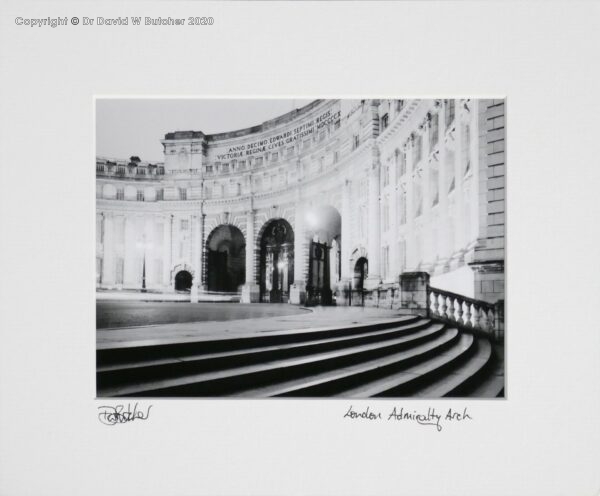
column 311, row 219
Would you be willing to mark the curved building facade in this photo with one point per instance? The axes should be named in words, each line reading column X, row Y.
column 329, row 203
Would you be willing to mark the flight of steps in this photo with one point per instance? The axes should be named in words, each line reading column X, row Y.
column 407, row 356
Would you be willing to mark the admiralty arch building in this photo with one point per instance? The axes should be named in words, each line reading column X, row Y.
column 327, row 204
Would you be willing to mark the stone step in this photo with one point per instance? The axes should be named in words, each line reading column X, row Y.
column 121, row 353
column 462, row 376
column 327, row 383
column 228, row 381
column 407, row 381
column 491, row 385
column 121, row 373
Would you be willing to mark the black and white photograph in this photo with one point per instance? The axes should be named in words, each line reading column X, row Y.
column 346, row 248
column 299, row 248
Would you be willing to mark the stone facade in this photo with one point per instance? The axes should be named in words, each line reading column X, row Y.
column 381, row 187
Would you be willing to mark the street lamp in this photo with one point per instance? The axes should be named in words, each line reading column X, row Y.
column 143, row 245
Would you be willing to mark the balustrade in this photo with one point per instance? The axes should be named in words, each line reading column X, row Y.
column 464, row 312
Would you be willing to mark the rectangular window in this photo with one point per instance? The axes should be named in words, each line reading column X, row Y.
column 209, row 169
column 336, row 157
column 182, row 193
column 120, row 194
column 466, row 139
column 449, row 113
column 402, row 255
column 225, row 168
column 290, row 151
column 386, row 174
column 140, row 195
column 242, row 164
column 400, row 158
column 402, row 208
column 433, row 132
column 184, row 224
column 355, row 141
column 384, row 121
column 259, row 161
column 160, row 194
column 386, row 215
column 417, row 149
column 274, row 156
column 385, row 261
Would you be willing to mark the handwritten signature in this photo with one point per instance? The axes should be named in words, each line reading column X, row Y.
column 430, row 417
column 119, row 414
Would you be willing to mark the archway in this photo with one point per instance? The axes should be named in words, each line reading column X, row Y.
column 276, row 261
column 226, row 259
column 183, row 281
column 361, row 272
column 324, row 229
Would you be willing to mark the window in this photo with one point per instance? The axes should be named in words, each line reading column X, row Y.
column 322, row 135
column 241, row 164
column 449, row 113
column 336, row 156
column 290, row 151
column 355, row 142
column 140, row 195
column 400, row 160
column 160, row 194
column 434, row 186
column 183, row 193
column 417, row 149
column 184, row 224
column 225, row 168
column 466, row 140
column 274, row 156
column 209, row 169
column 402, row 208
column 402, row 253
column 385, row 261
column 120, row 194
column 386, row 215
column 386, row 174
column 259, row 161
column 433, row 132
column 384, row 121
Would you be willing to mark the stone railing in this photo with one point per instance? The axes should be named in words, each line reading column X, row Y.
column 466, row 313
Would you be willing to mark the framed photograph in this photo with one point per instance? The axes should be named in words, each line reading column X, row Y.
column 299, row 248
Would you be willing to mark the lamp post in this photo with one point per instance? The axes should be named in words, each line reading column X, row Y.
column 143, row 245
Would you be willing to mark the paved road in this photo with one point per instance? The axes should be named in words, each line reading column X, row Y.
column 139, row 313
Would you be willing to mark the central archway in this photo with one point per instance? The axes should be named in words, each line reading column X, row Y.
column 183, row 281
column 276, row 261
column 226, row 259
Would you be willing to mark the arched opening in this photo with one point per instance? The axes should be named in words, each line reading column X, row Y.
column 183, row 281
column 276, row 261
column 324, row 229
column 226, row 259
column 361, row 272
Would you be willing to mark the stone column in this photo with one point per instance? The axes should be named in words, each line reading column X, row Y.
column 108, row 261
column 196, row 259
column 250, row 290
column 343, row 294
column 298, row 289
column 459, row 211
column 167, row 228
column 374, row 227
column 130, row 250
column 149, row 247
column 410, row 206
